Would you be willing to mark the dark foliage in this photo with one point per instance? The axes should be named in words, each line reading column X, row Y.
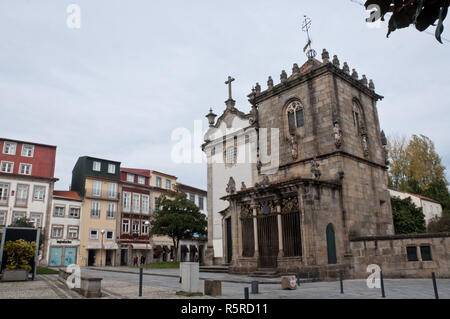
column 421, row 13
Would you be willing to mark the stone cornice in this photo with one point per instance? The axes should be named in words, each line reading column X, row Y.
column 336, row 153
column 399, row 237
column 309, row 75
column 282, row 186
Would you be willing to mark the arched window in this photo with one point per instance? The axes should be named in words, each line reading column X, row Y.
column 295, row 115
column 358, row 116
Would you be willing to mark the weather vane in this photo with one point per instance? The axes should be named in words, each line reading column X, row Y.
column 305, row 28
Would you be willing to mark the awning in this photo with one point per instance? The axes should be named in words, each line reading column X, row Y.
column 142, row 246
column 106, row 246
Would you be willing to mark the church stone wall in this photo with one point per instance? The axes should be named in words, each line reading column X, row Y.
column 389, row 253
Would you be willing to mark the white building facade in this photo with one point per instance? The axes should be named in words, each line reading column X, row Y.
column 230, row 147
column 64, row 230
column 430, row 207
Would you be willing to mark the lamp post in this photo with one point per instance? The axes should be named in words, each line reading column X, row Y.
column 101, row 250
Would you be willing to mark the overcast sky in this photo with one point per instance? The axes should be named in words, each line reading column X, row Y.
column 136, row 70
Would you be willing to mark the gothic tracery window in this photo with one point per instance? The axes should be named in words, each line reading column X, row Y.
column 295, row 115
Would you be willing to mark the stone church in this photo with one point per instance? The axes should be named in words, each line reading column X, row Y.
column 301, row 181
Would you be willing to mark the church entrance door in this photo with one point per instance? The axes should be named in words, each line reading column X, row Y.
column 268, row 241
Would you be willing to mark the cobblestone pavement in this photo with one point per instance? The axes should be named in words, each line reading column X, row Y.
column 164, row 283
column 353, row 289
column 44, row 287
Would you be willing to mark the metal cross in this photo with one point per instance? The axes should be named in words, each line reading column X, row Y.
column 305, row 28
column 230, row 79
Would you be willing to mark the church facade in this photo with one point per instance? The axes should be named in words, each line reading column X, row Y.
column 301, row 180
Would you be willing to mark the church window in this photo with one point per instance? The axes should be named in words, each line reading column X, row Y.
column 230, row 155
column 295, row 115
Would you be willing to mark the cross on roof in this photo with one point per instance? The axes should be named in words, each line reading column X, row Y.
column 230, row 79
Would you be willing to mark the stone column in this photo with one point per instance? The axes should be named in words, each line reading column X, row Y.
column 280, row 232
column 306, row 227
column 209, row 253
column 255, row 230
column 234, row 230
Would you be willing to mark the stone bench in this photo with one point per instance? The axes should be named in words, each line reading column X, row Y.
column 90, row 287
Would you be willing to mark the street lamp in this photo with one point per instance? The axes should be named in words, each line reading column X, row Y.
column 101, row 250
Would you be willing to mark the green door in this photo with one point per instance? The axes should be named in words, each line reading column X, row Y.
column 69, row 255
column 56, row 256
column 331, row 245
column 229, row 241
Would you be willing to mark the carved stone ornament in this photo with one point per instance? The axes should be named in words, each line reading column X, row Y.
column 283, row 76
column 290, row 205
column 243, row 186
column 265, row 182
column 231, row 186
column 315, row 171
column 253, row 118
column 385, row 148
column 365, row 145
column 246, row 211
column 337, row 135
column 293, row 145
column 270, row 83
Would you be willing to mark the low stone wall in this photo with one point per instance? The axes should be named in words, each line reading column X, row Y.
column 244, row 265
column 90, row 287
column 390, row 253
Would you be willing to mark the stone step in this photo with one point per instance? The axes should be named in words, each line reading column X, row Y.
column 219, row 269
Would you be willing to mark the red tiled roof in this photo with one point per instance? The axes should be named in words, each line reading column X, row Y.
column 137, row 171
column 67, row 194
column 423, row 197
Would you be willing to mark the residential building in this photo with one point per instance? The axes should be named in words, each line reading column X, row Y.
column 26, row 183
column 190, row 247
column 97, row 182
column 135, row 210
column 64, row 232
column 161, row 184
column 430, row 207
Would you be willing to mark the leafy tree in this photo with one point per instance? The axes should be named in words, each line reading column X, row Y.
column 178, row 218
column 19, row 254
column 420, row 13
column 439, row 224
column 408, row 219
column 415, row 164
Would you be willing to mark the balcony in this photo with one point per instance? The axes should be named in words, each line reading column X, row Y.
column 103, row 195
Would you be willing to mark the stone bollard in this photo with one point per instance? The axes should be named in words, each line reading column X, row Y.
column 213, row 288
column 190, row 282
column 288, row 283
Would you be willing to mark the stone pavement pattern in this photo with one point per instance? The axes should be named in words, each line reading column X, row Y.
column 163, row 284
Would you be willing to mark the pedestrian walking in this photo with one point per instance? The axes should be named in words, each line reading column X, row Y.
column 135, row 260
column 142, row 260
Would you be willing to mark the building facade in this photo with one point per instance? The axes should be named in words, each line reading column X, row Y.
column 63, row 247
column 430, row 207
column 193, row 249
column 97, row 182
column 318, row 171
column 135, row 213
column 26, row 184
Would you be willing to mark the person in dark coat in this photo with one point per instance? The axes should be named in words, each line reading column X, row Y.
column 135, row 260
column 142, row 259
